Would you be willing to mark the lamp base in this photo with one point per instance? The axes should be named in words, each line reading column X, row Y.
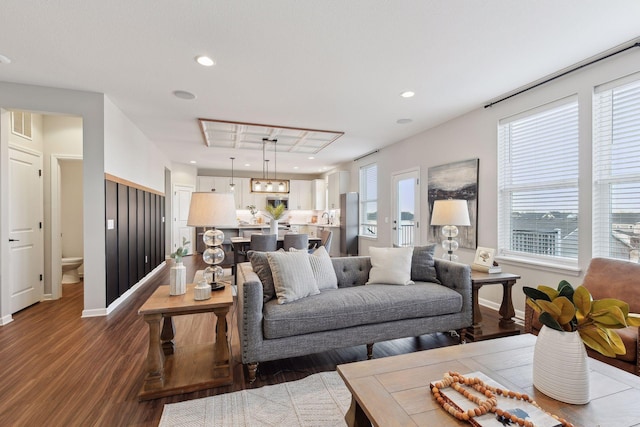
column 217, row 286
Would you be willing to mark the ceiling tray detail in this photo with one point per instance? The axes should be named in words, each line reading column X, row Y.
column 248, row 136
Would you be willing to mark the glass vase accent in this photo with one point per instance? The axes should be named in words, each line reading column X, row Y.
column 560, row 366
column 178, row 279
column 273, row 226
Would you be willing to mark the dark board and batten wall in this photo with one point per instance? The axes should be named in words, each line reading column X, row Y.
column 135, row 234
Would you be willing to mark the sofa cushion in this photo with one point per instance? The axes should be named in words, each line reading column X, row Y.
column 358, row 305
column 292, row 275
column 423, row 265
column 260, row 265
column 390, row 266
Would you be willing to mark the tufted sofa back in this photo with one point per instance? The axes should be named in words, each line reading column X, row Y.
column 352, row 271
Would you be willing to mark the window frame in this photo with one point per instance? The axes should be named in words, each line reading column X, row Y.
column 507, row 187
column 364, row 223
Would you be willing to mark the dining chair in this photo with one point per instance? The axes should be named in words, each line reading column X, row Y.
column 325, row 239
column 264, row 242
column 295, row 240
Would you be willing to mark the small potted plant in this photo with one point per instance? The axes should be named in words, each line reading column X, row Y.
column 253, row 210
column 178, row 272
column 571, row 319
column 275, row 213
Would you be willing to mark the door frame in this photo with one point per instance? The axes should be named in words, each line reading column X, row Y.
column 55, row 275
column 415, row 173
column 175, row 228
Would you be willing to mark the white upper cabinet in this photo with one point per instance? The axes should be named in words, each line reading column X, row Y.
column 319, row 194
column 300, row 195
column 208, row 183
column 338, row 183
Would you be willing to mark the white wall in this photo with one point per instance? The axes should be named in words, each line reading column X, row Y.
column 474, row 135
column 129, row 154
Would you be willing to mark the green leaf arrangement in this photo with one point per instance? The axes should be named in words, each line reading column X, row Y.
column 566, row 309
column 275, row 213
column 181, row 251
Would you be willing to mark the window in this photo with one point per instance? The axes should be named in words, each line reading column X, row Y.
column 616, row 170
column 538, row 184
column 369, row 200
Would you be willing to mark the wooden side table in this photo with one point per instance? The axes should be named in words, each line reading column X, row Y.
column 506, row 326
column 176, row 370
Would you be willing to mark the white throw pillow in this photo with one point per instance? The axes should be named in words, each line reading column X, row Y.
column 390, row 266
column 292, row 275
column 323, row 269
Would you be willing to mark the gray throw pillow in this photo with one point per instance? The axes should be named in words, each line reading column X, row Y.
column 292, row 276
column 260, row 265
column 423, row 265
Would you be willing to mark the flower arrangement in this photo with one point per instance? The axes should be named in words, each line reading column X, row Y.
column 181, row 251
column 566, row 309
column 275, row 212
column 252, row 209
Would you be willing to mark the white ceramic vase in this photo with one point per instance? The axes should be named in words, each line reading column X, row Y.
column 178, row 279
column 560, row 366
column 273, row 226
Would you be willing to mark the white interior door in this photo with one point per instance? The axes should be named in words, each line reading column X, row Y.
column 406, row 208
column 181, row 201
column 26, row 256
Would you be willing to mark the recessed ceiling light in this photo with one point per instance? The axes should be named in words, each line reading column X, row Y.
column 296, row 167
column 403, row 121
column 247, row 164
column 407, row 94
column 183, row 94
column 205, row 61
column 193, row 162
column 5, row 59
column 310, row 157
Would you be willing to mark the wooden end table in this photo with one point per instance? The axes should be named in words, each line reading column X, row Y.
column 175, row 370
column 506, row 326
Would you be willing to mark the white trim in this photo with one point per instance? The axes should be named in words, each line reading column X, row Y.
column 6, row 320
column 122, row 298
column 56, row 244
column 540, row 265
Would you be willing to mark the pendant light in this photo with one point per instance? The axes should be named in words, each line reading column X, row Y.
column 269, row 183
column 275, row 166
column 232, row 186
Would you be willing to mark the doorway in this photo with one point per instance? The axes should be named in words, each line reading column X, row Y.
column 180, row 210
column 66, row 215
column 405, row 227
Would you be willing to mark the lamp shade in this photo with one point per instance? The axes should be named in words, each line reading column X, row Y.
column 210, row 209
column 450, row 212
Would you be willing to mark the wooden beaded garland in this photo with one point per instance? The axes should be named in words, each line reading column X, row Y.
column 456, row 382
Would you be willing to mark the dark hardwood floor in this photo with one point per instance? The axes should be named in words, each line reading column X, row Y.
column 58, row 369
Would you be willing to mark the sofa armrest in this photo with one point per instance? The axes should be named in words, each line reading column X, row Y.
column 457, row 277
column 250, row 304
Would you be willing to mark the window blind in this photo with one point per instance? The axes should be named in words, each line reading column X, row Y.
column 616, row 171
column 369, row 200
column 538, row 183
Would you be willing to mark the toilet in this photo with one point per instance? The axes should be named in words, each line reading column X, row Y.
column 70, row 272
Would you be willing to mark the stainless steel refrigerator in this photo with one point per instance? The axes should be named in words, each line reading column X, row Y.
column 349, row 224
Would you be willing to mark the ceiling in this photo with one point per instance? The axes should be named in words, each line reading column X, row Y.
column 334, row 65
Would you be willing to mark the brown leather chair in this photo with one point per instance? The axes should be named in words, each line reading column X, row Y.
column 608, row 278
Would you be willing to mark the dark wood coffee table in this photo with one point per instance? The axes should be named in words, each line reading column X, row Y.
column 393, row 391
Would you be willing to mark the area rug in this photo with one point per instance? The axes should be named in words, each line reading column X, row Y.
column 317, row 400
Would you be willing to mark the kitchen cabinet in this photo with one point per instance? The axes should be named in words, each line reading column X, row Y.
column 337, row 183
column 300, row 195
column 209, row 183
column 319, row 194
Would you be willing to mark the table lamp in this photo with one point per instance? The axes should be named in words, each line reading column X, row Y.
column 211, row 209
column 450, row 213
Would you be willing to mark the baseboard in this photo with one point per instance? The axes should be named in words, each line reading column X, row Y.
column 6, row 320
column 47, row 297
column 98, row 312
column 519, row 317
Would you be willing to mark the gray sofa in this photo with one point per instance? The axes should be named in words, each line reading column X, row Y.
column 351, row 315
